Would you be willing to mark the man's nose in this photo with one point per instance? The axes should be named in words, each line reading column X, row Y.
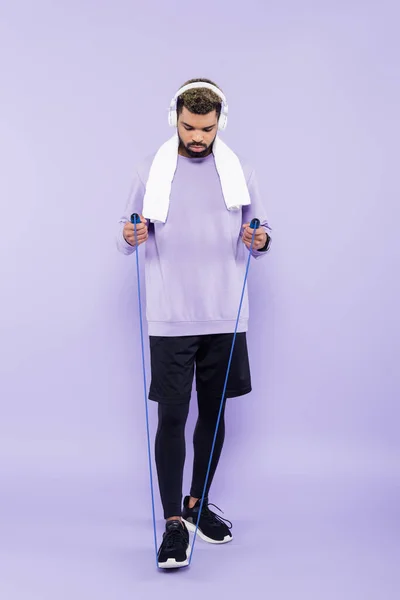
column 197, row 137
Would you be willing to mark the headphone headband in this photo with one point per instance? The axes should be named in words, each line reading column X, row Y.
column 172, row 116
column 201, row 85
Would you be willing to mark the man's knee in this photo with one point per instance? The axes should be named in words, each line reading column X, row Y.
column 172, row 417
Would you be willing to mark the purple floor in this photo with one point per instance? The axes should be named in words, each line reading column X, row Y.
column 299, row 537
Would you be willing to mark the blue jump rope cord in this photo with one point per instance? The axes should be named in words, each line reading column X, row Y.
column 145, row 398
column 135, row 219
column 223, row 396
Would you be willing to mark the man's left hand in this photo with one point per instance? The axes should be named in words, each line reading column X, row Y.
column 260, row 237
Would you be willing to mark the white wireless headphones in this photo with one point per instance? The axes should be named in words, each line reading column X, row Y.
column 223, row 118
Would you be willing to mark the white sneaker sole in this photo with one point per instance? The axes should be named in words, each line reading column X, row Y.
column 191, row 527
column 171, row 563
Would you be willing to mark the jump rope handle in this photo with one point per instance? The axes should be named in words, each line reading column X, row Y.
column 135, row 218
column 255, row 223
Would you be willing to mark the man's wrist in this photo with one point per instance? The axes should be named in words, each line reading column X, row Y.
column 266, row 245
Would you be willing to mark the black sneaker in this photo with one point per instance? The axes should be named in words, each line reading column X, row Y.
column 212, row 528
column 175, row 550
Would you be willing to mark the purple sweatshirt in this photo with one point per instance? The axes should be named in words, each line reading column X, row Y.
column 195, row 263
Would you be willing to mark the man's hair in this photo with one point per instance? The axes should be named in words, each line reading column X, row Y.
column 199, row 101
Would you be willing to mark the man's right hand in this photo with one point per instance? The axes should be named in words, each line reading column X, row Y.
column 142, row 232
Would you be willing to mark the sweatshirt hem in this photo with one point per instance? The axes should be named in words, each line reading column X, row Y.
column 181, row 328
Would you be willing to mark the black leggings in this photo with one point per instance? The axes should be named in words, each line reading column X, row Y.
column 170, row 449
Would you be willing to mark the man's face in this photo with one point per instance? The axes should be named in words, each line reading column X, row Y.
column 196, row 133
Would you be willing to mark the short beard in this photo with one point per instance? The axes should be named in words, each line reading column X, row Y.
column 192, row 154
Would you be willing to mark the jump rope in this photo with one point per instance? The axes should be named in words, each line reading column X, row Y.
column 135, row 219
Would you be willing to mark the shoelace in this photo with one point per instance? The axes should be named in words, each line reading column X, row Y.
column 172, row 537
column 212, row 516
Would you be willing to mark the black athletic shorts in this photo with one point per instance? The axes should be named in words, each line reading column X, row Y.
column 174, row 360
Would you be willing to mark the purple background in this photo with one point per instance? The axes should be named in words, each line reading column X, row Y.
column 310, row 471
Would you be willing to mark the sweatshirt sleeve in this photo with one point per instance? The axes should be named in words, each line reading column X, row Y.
column 256, row 210
column 134, row 204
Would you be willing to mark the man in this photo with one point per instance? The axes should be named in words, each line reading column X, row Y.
column 195, row 259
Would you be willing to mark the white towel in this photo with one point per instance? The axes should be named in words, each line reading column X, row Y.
column 162, row 171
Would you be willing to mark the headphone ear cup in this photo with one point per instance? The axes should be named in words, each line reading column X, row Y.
column 222, row 121
column 223, row 118
column 172, row 116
